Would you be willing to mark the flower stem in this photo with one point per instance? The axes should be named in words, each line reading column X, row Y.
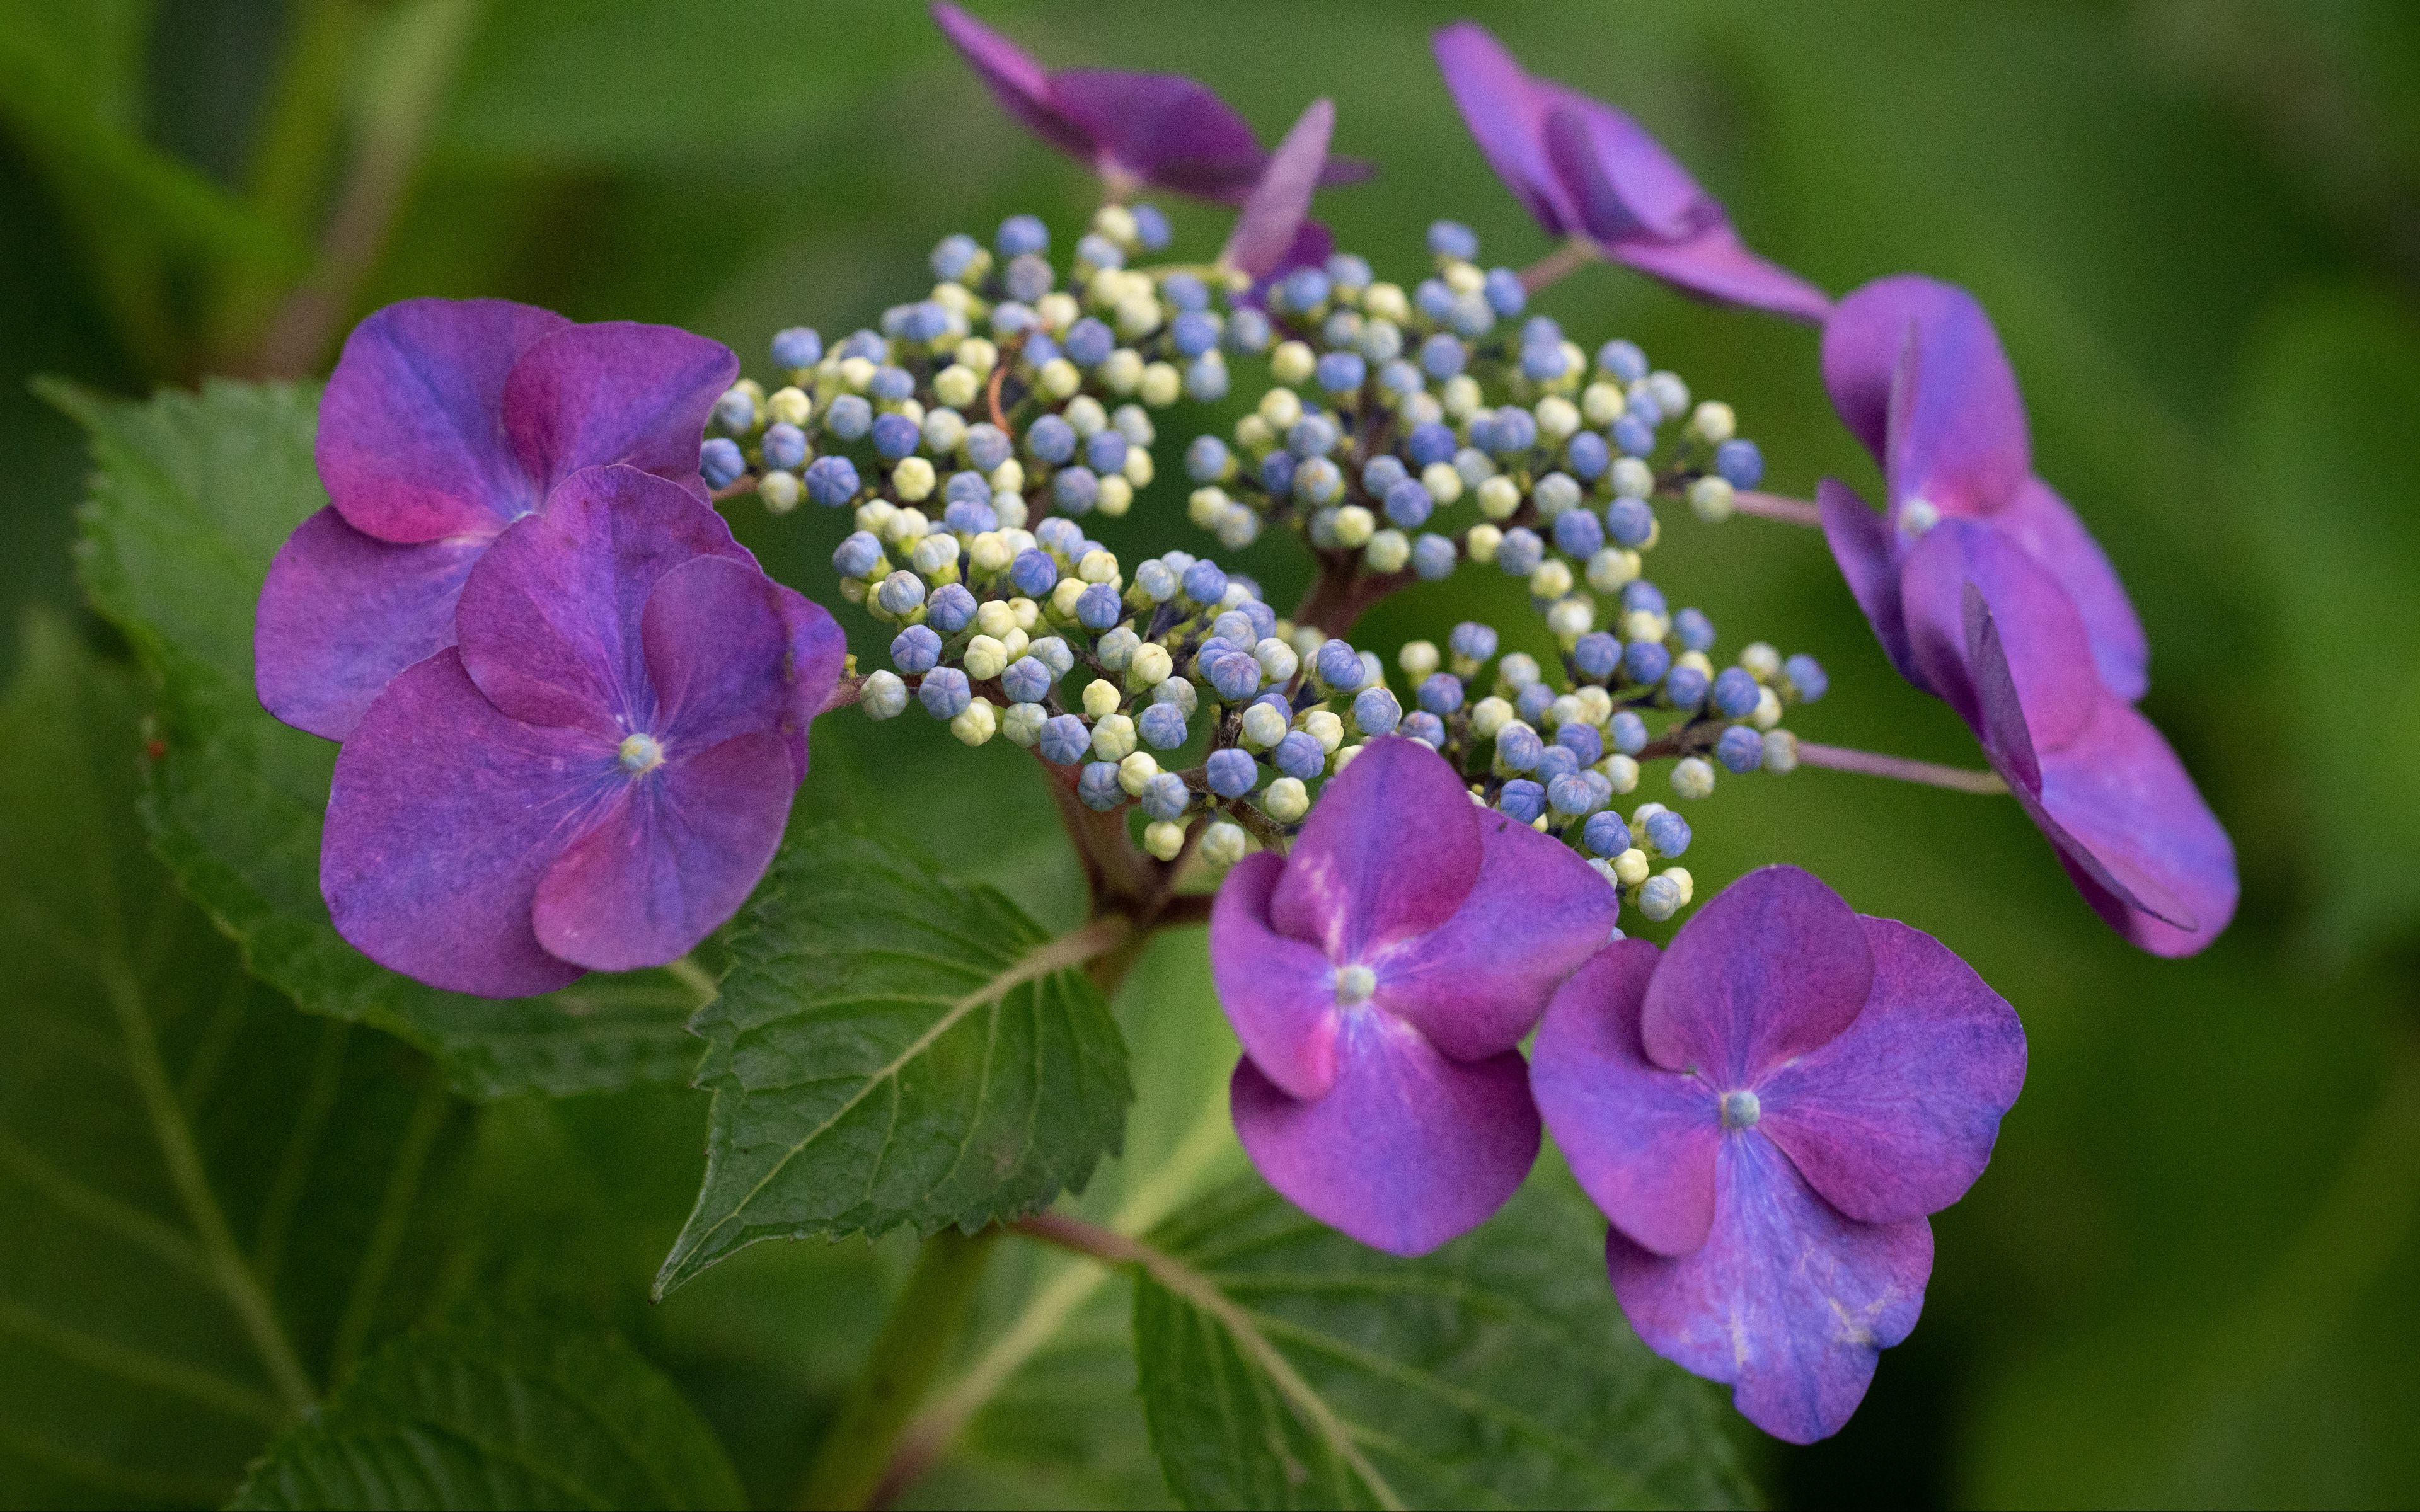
column 1568, row 258
column 1778, row 506
column 918, row 1332
column 1931, row 774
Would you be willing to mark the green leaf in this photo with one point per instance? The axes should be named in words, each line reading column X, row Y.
column 194, row 494
column 1284, row 1364
column 497, row 1416
column 208, row 1203
column 894, row 1047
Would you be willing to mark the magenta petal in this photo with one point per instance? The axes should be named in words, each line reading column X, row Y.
column 442, row 816
column 1787, row 1301
column 2049, row 655
column 2039, row 520
column 1860, row 544
column 1390, row 849
column 1957, row 432
column 1408, row 1149
column 818, row 654
column 1864, row 339
column 1625, row 186
column 1279, row 994
column 616, row 393
column 343, row 612
column 1896, row 1117
column 1161, row 127
column 1273, row 216
column 1640, row 1139
column 1716, row 265
column 1476, row 984
column 1020, row 85
column 549, row 619
column 670, row 860
column 718, row 653
column 1773, row 968
column 1496, row 103
column 409, row 444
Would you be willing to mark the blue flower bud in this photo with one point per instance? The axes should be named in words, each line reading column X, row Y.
column 1305, row 289
column 1541, row 331
column 1473, row 639
column 1517, row 431
column 784, row 445
column 1577, row 534
column 1633, row 435
column 1533, row 701
column 944, row 693
column 1582, row 741
column 1376, row 712
column 856, row 554
column 1097, row 785
column 1100, row 252
column 1206, row 380
column 1276, row 473
column 1341, row 372
column 923, row 321
column 1432, row 299
column 1807, row 675
column 1065, row 740
column 1735, row 693
column 1382, row 472
column 1313, row 436
column 719, row 462
column 1543, row 364
column 1646, row 661
column 1451, row 238
column 1193, row 332
column 1640, row 594
column 1028, row 278
column 1052, row 653
column 1693, row 630
column 900, row 593
column 951, row 608
column 1204, row 582
column 1026, row 681
column 1643, row 407
column 736, row 410
column 956, row 253
column 967, row 516
column 1741, row 748
column 1622, row 360
column 1483, row 431
column 1156, row 580
column 1504, row 292
column 1440, row 693
column 915, row 649
column 1520, row 551
column 797, row 346
column 1088, row 341
column 967, row 487
column 1629, row 733
column 1606, row 834
column 1021, row 234
column 1060, row 535
column 1165, row 797
column 1739, row 463
column 849, row 417
column 1408, row 504
column 1522, row 799
column 1235, row 675
column 1076, row 489
column 1570, row 795
column 1207, row 459
column 1629, row 521
column 1555, row 761
column 1161, row 726
column 1339, row 665
column 1098, row 609
column 1429, row 444
column 1050, row 439
column 1248, row 330
column 1348, row 270
column 1235, row 627
column 895, row 436
column 1424, row 726
column 1263, row 619
column 1433, row 556
column 1668, row 832
column 1185, row 292
column 1596, row 655
column 1517, row 747
column 1397, row 377
column 1033, row 573
column 1300, row 755
column 890, row 384
column 1151, row 228
column 1231, row 772
column 1318, row 481
column 1685, row 688
column 1587, row 455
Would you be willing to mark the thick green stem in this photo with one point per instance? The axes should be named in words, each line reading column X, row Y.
column 916, row 1336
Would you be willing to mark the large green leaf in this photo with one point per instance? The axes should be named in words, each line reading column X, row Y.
column 1285, row 1365
column 194, row 495
column 208, row 1203
column 497, row 1416
column 894, row 1047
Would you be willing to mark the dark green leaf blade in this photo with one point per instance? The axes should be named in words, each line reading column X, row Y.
column 892, row 1047
column 1284, row 1364
column 194, row 494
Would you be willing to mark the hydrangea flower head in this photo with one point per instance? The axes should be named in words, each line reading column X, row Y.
column 1585, row 169
column 1380, row 977
column 1767, row 1112
column 596, row 775
column 1162, row 130
column 444, row 422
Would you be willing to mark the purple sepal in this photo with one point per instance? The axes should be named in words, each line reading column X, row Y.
column 1274, row 213
column 342, row 613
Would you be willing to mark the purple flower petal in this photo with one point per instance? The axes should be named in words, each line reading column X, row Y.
column 1161, row 129
column 1863, row 342
column 443, row 815
column 675, row 856
column 1273, row 215
column 2049, row 656
column 1392, row 849
column 2037, row 520
column 1407, row 1151
column 1716, row 265
column 818, row 654
column 1624, row 185
column 409, row 444
column 550, row 620
column 1895, row 1116
column 1020, row 85
column 1773, row 968
column 342, row 613
column 718, row 653
column 616, row 391
column 1279, row 994
column 1786, row 1300
column 1640, row 1139
column 1476, row 984
column 1496, row 101
column 1860, row 544
column 1953, row 428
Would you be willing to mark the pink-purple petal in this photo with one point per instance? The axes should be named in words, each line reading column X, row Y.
column 343, row 612
column 1624, row 185
column 1279, row 994
column 1716, row 265
column 818, row 654
column 1860, row 543
column 1407, row 1151
column 2049, row 655
column 1640, row 1139
column 718, row 653
column 1020, row 85
column 616, row 391
column 1390, row 850
column 1896, row 1117
column 1863, row 342
column 1274, row 212
column 1163, row 128
column 1788, row 1301
column 1476, row 984
column 410, row 446
column 674, row 855
column 1774, row 967
column 1957, row 435
column 1496, row 101
column 443, row 815
column 2039, row 521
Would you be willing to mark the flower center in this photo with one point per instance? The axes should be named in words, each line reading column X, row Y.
column 1918, row 516
column 1741, row 1110
column 640, row 754
column 1355, row 985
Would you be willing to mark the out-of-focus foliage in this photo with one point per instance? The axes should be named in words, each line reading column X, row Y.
column 2190, row 1276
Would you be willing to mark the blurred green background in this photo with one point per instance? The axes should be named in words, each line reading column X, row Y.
column 2193, row 1275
